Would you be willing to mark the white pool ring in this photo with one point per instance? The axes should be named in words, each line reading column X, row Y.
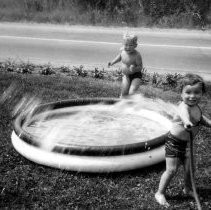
column 88, row 163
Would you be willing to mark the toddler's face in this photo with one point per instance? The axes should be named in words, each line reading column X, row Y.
column 191, row 94
column 129, row 46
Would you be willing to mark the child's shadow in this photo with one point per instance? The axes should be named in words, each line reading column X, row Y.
column 179, row 197
column 204, row 193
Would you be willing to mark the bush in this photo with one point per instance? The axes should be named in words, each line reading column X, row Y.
column 8, row 65
column 163, row 13
column 98, row 73
column 80, row 71
column 25, row 68
column 166, row 81
column 47, row 70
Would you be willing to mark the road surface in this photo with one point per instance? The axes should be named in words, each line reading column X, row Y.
column 173, row 51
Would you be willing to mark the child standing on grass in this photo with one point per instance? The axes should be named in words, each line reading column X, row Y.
column 188, row 120
column 131, row 65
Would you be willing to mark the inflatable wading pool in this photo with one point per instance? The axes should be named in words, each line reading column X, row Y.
column 94, row 156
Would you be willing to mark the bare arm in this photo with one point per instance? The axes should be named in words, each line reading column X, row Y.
column 205, row 121
column 139, row 64
column 116, row 60
column 184, row 114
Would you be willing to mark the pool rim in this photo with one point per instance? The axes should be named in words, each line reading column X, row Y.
column 82, row 150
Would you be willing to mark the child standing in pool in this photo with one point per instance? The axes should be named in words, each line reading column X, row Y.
column 131, row 65
column 188, row 120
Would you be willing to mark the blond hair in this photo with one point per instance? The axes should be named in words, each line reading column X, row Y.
column 132, row 38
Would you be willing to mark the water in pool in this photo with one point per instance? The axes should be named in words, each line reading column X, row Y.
column 126, row 122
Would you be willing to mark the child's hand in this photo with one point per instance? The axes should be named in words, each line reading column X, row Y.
column 188, row 125
column 132, row 68
column 109, row 64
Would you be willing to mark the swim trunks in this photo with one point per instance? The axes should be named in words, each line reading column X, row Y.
column 135, row 75
column 175, row 148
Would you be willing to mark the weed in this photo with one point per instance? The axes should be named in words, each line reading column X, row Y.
column 80, row 71
column 47, row 70
column 25, row 68
column 171, row 79
column 164, row 81
column 8, row 65
column 155, row 78
column 98, row 74
column 64, row 69
column 117, row 75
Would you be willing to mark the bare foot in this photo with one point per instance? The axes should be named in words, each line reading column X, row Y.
column 160, row 198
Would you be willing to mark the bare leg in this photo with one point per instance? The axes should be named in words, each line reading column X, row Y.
column 125, row 86
column 171, row 169
column 135, row 84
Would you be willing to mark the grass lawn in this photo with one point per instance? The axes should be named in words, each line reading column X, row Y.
column 26, row 185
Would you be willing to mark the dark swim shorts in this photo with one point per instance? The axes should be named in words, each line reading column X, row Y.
column 175, row 147
column 135, row 75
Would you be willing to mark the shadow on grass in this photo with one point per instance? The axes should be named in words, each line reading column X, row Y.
column 179, row 197
column 157, row 168
column 204, row 192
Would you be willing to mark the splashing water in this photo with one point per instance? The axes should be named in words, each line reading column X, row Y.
column 129, row 121
column 20, row 104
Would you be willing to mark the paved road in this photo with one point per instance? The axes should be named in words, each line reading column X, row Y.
column 172, row 51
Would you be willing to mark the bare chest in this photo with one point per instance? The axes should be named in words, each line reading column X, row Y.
column 128, row 59
column 195, row 114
